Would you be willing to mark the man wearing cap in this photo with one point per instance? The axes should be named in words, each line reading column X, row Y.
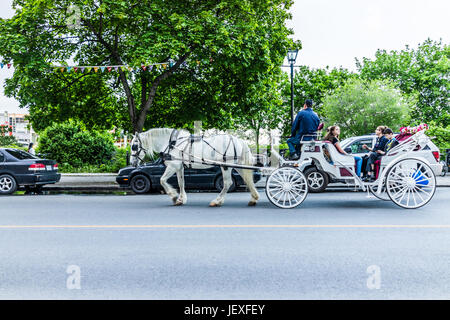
column 306, row 122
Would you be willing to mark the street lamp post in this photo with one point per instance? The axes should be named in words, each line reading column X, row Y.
column 292, row 56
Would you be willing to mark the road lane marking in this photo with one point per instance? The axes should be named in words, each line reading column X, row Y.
column 230, row 226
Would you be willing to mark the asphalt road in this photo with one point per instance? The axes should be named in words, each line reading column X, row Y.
column 336, row 245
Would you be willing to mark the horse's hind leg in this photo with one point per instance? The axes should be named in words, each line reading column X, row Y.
column 227, row 182
column 170, row 170
column 247, row 175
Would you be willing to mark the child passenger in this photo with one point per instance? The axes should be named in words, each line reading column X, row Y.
column 375, row 152
column 332, row 135
column 392, row 142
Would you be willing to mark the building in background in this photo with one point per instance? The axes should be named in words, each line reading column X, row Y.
column 21, row 128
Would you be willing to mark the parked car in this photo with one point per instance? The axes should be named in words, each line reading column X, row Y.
column 146, row 178
column 318, row 180
column 22, row 169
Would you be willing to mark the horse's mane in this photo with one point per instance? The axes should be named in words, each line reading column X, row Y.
column 156, row 138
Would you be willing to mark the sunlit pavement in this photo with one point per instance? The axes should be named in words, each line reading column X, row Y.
column 336, row 245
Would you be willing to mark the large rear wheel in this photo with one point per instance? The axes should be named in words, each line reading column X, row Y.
column 410, row 183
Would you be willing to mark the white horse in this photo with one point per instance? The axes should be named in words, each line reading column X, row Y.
column 186, row 150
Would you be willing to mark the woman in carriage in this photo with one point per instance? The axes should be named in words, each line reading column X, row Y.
column 332, row 135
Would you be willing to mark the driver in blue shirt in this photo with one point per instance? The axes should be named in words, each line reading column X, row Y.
column 306, row 123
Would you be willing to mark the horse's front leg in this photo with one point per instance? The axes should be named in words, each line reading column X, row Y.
column 170, row 170
column 182, row 198
column 227, row 182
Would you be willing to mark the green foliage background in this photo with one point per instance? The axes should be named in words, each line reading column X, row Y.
column 423, row 72
column 359, row 107
column 71, row 144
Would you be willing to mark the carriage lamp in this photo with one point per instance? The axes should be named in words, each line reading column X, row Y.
column 292, row 56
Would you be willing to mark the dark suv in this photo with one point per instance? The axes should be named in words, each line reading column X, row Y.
column 147, row 177
column 20, row 168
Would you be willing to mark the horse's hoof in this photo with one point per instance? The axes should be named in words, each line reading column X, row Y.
column 174, row 200
column 252, row 203
column 179, row 203
column 213, row 204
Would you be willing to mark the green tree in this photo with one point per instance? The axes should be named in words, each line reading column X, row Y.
column 359, row 107
column 311, row 83
column 264, row 110
column 221, row 48
column 423, row 72
column 441, row 136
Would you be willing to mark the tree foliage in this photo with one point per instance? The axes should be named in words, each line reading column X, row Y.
column 264, row 110
column 217, row 50
column 359, row 107
column 424, row 72
column 441, row 137
column 70, row 143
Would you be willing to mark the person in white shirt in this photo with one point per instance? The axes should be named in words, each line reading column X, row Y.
column 31, row 149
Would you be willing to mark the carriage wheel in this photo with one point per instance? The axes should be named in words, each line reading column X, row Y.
column 286, row 187
column 410, row 183
column 383, row 195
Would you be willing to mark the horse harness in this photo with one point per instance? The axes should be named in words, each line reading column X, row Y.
column 165, row 155
column 138, row 148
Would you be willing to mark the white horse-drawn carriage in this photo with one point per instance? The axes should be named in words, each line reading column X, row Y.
column 403, row 177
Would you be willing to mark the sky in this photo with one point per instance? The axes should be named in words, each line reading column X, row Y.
column 334, row 33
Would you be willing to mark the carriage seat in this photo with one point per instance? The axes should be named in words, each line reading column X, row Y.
column 335, row 155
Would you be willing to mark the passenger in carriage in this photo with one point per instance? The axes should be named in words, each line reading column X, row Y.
column 306, row 122
column 375, row 153
column 332, row 135
column 392, row 142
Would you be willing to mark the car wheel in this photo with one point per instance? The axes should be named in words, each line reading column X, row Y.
column 317, row 180
column 219, row 184
column 8, row 184
column 140, row 184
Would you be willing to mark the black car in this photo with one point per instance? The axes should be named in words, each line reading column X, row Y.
column 147, row 177
column 20, row 168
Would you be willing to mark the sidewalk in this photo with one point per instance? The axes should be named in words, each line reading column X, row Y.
column 85, row 181
column 107, row 182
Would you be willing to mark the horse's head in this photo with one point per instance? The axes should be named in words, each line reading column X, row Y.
column 137, row 151
column 149, row 143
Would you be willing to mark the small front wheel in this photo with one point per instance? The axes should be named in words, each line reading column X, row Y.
column 140, row 184
column 382, row 195
column 286, row 187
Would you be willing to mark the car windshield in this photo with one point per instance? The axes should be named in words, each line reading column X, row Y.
column 21, row 155
column 346, row 141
